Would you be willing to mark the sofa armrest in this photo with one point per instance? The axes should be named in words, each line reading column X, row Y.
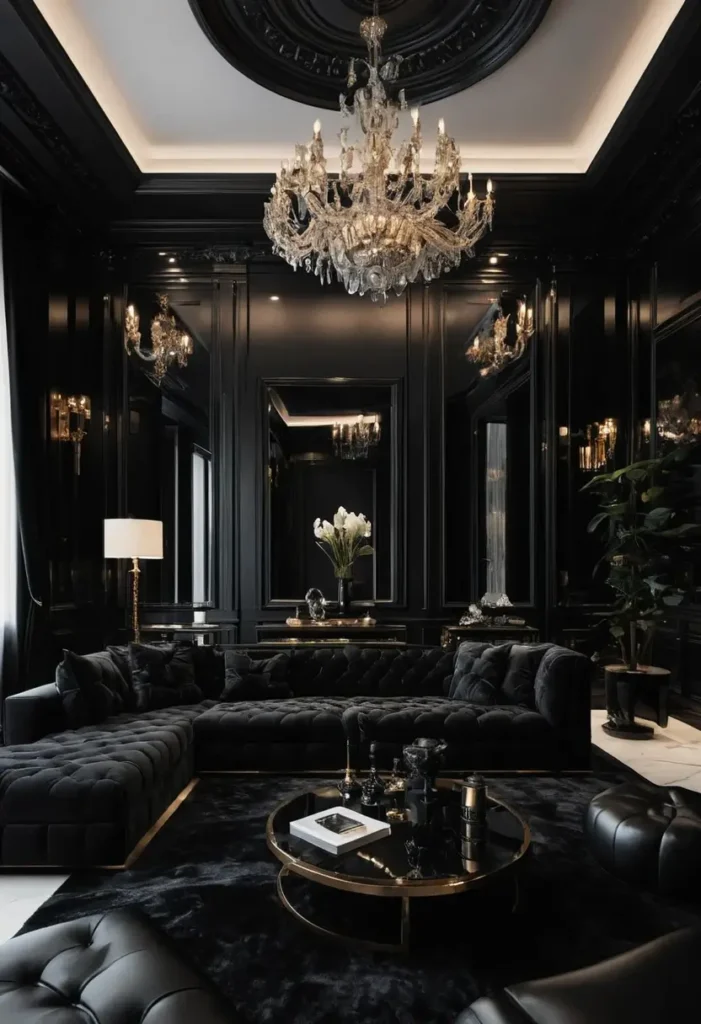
column 32, row 714
column 563, row 689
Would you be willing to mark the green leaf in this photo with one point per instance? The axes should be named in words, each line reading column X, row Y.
column 652, row 494
column 601, row 478
column 685, row 530
column 617, row 631
column 366, row 549
column 672, row 600
column 636, row 475
column 597, row 521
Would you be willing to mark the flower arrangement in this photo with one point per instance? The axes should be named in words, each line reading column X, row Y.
column 344, row 540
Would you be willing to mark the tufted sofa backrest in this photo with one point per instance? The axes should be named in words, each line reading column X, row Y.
column 512, row 673
column 350, row 671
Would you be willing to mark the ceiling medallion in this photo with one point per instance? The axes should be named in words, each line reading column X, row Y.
column 300, row 48
column 377, row 228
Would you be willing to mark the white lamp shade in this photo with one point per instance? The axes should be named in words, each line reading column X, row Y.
column 133, row 538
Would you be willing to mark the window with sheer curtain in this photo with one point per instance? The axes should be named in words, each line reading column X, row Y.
column 8, row 513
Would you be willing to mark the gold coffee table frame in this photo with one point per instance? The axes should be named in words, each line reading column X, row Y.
column 402, row 888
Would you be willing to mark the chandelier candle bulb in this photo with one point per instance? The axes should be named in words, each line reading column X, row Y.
column 441, row 127
column 317, row 128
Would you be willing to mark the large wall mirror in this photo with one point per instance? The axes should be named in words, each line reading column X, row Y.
column 169, row 465
column 488, row 450
column 330, row 444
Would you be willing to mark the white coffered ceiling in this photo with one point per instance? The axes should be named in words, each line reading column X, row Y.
column 179, row 106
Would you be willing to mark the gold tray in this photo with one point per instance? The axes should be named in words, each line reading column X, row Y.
column 329, row 623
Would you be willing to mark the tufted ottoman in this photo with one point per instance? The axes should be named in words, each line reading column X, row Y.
column 109, row 969
column 650, row 835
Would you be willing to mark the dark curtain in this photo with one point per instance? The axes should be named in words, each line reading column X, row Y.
column 26, row 309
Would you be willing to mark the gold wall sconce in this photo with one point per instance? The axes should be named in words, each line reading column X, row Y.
column 599, row 445
column 168, row 344
column 70, row 415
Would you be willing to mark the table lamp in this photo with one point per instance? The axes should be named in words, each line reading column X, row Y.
column 135, row 539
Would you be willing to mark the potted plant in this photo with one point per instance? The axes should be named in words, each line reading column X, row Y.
column 342, row 542
column 650, row 546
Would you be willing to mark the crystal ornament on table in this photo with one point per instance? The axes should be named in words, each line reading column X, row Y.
column 376, row 225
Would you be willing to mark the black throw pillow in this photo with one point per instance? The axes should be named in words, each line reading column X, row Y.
column 163, row 676
column 264, row 679
column 482, row 685
column 209, row 669
column 91, row 688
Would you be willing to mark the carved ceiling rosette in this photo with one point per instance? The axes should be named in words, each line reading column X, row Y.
column 301, row 48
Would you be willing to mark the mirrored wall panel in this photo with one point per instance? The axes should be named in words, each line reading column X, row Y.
column 329, row 444
column 678, row 386
column 169, row 452
column 488, row 446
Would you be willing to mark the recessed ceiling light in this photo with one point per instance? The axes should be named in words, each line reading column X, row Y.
column 183, row 280
column 161, row 254
column 494, row 260
column 171, row 259
column 274, row 298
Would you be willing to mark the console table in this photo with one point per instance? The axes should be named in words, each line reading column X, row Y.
column 203, row 633
column 313, row 633
column 453, row 636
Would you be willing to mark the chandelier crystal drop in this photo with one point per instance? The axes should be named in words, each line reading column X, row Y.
column 376, row 227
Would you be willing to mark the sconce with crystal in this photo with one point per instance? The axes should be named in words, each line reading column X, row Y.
column 70, row 415
column 168, row 344
column 492, row 349
column 599, row 445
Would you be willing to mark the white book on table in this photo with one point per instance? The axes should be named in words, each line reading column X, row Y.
column 368, row 830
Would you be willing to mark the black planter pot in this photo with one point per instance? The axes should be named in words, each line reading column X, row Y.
column 622, row 688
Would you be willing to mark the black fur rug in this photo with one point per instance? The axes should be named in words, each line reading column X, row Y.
column 208, row 880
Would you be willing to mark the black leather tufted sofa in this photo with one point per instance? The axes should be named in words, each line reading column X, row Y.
column 113, row 968
column 655, row 984
column 83, row 797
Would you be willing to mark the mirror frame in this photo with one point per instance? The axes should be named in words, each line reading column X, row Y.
column 397, row 484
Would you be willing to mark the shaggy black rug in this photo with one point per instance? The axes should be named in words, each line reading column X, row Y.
column 209, row 881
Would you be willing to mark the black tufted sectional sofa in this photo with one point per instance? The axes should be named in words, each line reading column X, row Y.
column 82, row 797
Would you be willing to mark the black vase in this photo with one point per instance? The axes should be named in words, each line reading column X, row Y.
column 345, row 588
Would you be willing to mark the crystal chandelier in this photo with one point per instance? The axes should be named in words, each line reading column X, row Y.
column 377, row 227
column 492, row 349
column 354, row 440
column 168, row 344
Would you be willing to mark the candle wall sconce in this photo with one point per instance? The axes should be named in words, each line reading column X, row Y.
column 168, row 343
column 70, row 415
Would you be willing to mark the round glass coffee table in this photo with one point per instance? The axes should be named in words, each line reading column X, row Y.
column 422, row 858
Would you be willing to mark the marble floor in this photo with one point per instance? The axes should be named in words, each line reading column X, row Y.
column 20, row 896
column 672, row 756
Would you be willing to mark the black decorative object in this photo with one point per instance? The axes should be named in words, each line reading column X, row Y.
column 300, row 48
column 345, row 589
column 424, row 759
column 374, row 786
column 473, row 812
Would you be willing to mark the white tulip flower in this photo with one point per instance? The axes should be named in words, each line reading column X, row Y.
column 340, row 518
